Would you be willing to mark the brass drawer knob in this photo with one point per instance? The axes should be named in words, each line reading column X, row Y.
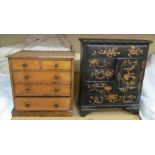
column 56, row 77
column 24, row 65
column 26, row 77
column 56, row 65
column 56, row 90
column 27, row 104
column 56, row 105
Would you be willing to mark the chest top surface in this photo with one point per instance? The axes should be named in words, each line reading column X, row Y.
column 42, row 54
column 113, row 41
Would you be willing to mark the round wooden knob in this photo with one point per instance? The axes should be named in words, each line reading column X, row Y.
column 24, row 65
column 56, row 65
column 56, row 105
column 26, row 77
column 56, row 90
column 27, row 104
column 56, row 77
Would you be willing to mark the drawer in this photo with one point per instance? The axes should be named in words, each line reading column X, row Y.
column 100, row 75
column 99, row 87
column 56, row 64
column 100, row 63
column 111, row 98
column 41, row 77
column 25, row 64
column 32, row 103
column 42, row 90
column 116, row 50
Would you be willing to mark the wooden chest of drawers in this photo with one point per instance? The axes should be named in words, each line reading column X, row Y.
column 112, row 74
column 42, row 83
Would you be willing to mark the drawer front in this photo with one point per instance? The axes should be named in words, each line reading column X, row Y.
column 41, row 77
column 100, row 63
column 113, row 51
column 25, row 64
column 42, row 90
column 112, row 98
column 58, row 64
column 100, row 75
column 42, row 103
column 99, row 87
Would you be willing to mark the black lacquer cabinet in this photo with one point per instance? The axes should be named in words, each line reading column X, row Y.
column 111, row 74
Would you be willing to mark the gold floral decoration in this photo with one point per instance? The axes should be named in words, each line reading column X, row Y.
column 129, row 98
column 111, row 52
column 96, row 63
column 102, row 74
column 130, row 62
column 129, row 79
column 112, row 98
column 99, row 87
column 96, row 99
column 134, row 51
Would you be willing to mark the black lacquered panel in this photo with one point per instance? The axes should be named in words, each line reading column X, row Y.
column 111, row 98
column 99, row 87
column 112, row 73
column 100, row 74
column 113, row 51
column 100, row 63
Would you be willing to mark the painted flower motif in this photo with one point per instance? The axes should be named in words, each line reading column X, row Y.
column 108, row 74
column 112, row 98
column 134, row 51
column 111, row 52
column 107, row 88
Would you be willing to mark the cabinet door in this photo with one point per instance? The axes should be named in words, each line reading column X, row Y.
column 129, row 76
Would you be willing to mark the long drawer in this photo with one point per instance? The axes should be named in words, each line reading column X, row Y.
column 111, row 98
column 38, row 103
column 113, row 51
column 42, row 89
column 41, row 77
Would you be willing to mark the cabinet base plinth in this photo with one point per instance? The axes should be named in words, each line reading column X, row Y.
column 17, row 113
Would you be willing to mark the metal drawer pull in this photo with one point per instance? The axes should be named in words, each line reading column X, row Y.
column 27, row 104
column 24, row 65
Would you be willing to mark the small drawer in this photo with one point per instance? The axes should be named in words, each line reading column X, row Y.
column 42, row 90
column 41, row 77
column 100, row 63
column 34, row 103
column 100, row 75
column 56, row 64
column 102, row 51
column 25, row 64
column 99, row 87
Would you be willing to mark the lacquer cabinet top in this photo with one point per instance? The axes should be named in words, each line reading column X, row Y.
column 113, row 41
